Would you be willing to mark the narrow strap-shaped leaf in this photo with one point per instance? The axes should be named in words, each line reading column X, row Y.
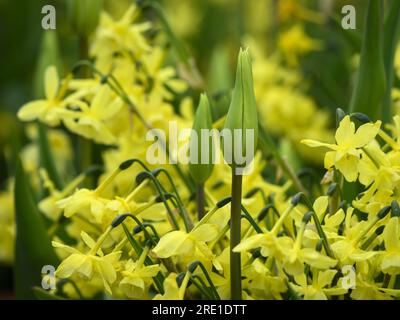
column 158, row 279
column 370, row 85
column 391, row 36
column 33, row 249
column 47, row 158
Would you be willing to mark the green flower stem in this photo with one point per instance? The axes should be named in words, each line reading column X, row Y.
column 323, row 236
column 120, row 245
column 193, row 266
column 267, row 146
column 249, row 218
column 47, row 157
column 184, row 284
column 62, row 282
column 159, row 278
column 336, row 196
column 199, row 283
column 220, row 235
column 389, row 140
column 371, row 157
column 200, row 197
column 142, row 257
column 299, row 238
column 220, row 204
column 136, row 190
column 100, row 241
column 107, row 181
column 392, row 281
column 85, row 146
column 365, row 231
column 156, row 183
column 320, row 231
column 279, row 223
column 235, row 261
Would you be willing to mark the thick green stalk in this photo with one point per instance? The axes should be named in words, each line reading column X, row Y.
column 236, row 208
column 370, row 85
column 391, row 36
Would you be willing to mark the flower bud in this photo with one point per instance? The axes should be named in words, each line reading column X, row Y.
column 49, row 56
column 240, row 132
column 201, row 143
column 84, row 15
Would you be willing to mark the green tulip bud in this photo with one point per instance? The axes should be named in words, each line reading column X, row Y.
column 84, row 15
column 49, row 55
column 240, row 132
column 201, row 143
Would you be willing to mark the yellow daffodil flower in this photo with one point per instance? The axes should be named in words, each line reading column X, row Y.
column 319, row 289
column 136, row 278
column 50, row 110
column 347, row 150
column 180, row 243
column 391, row 256
column 88, row 264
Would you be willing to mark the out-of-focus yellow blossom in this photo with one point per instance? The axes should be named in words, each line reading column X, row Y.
column 320, row 288
column 91, row 122
column 113, row 36
column 52, row 109
column 295, row 43
column 184, row 17
column 60, row 145
column 391, row 255
column 272, row 81
column 292, row 9
column 137, row 278
column 7, row 226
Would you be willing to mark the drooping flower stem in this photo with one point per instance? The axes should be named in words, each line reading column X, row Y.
column 200, row 200
column 235, row 263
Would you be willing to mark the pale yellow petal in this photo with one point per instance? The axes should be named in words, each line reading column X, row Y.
column 51, row 82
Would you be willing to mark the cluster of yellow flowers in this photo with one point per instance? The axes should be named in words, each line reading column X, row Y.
column 136, row 234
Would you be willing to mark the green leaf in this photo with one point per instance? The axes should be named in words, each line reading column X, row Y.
column 33, row 249
column 392, row 29
column 370, row 85
column 268, row 147
column 158, row 279
column 47, row 159
column 41, row 294
column 202, row 121
column 49, row 55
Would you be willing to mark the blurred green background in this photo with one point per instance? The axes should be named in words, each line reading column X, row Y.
column 211, row 30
